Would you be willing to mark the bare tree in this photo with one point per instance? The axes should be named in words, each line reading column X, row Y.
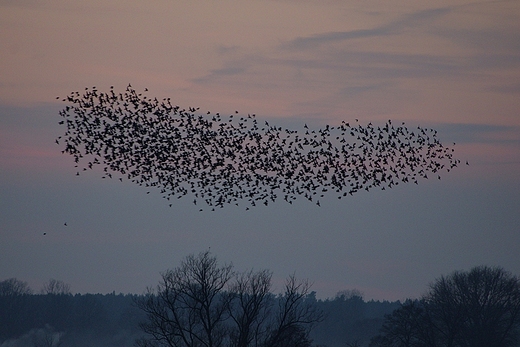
column 56, row 287
column 14, row 287
column 251, row 307
column 479, row 308
column 189, row 306
column 295, row 316
column 201, row 303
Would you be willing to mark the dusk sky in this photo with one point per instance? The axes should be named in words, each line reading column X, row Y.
column 450, row 65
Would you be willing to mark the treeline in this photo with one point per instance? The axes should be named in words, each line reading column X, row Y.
column 350, row 320
column 204, row 303
column 477, row 308
column 68, row 320
column 63, row 319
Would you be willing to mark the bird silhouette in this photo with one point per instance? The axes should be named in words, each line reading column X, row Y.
column 233, row 160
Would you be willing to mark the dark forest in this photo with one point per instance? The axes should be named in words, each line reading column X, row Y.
column 113, row 319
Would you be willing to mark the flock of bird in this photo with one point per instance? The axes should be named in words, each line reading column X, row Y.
column 228, row 160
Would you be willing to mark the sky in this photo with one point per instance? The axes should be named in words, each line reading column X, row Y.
column 451, row 65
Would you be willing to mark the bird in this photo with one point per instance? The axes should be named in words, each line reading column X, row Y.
column 222, row 161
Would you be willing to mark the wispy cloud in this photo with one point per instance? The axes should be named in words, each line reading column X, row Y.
column 481, row 133
column 425, row 47
column 495, row 39
column 510, row 88
column 379, row 65
column 222, row 72
column 413, row 20
column 226, row 49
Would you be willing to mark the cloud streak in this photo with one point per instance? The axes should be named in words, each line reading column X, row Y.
column 396, row 27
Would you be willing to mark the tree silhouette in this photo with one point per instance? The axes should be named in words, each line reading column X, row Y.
column 405, row 327
column 14, row 306
column 227, row 160
column 14, row 287
column 479, row 308
column 56, row 287
column 202, row 303
column 294, row 317
column 250, row 306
